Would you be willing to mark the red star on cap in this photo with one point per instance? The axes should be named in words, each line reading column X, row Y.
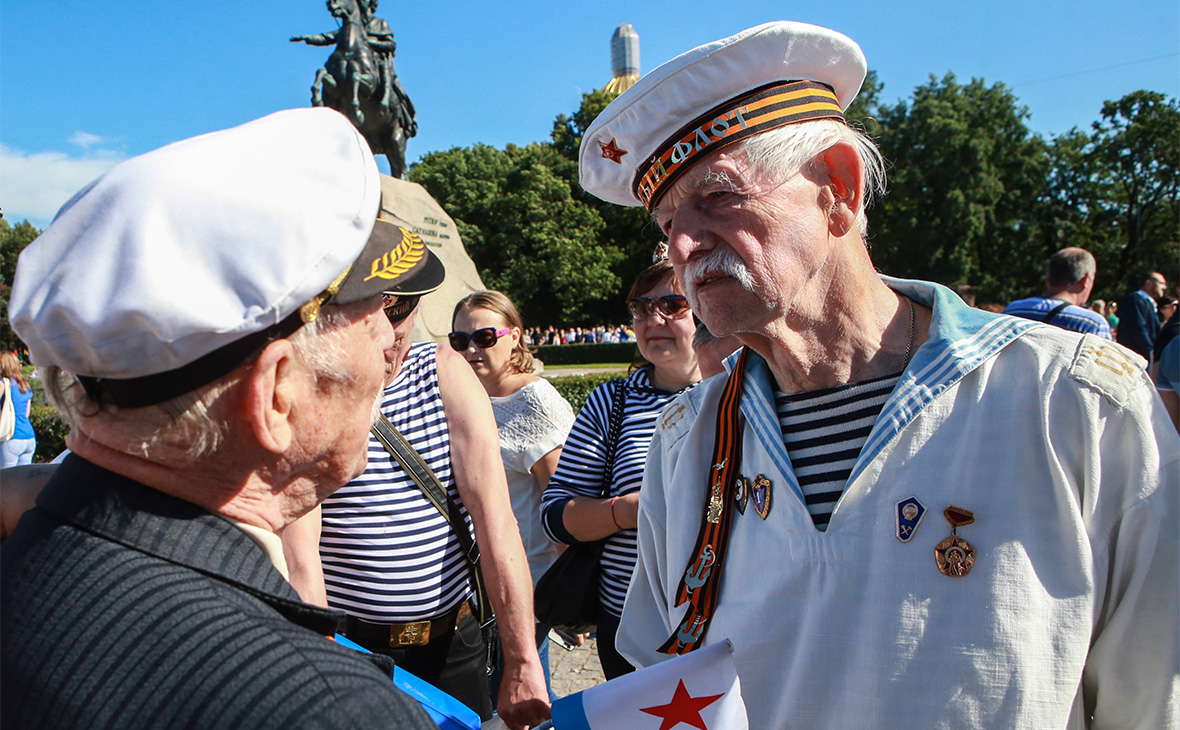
column 684, row 708
column 611, row 152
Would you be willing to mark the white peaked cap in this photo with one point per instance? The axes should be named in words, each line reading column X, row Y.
column 179, row 252
column 701, row 100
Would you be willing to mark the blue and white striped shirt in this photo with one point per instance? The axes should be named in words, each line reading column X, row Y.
column 1072, row 317
column 580, row 473
column 388, row 554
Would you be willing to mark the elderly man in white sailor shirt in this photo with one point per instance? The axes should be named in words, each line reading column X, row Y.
column 903, row 512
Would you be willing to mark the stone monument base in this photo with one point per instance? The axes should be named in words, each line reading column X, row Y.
column 411, row 203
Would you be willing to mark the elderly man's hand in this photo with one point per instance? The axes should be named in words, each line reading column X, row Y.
column 524, row 701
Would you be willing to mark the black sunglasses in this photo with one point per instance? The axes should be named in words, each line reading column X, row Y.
column 671, row 306
column 485, row 338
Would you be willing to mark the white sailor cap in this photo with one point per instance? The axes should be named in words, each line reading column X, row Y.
column 711, row 97
column 180, row 265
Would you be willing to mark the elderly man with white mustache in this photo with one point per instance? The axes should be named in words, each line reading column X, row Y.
column 808, row 507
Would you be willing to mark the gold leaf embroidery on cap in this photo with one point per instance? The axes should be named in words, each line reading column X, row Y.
column 401, row 259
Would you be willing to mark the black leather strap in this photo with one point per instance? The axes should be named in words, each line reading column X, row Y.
column 424, row 477
column 1054, row 312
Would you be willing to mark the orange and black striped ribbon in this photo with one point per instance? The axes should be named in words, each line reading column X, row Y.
column 767, row 107
column 700, row 585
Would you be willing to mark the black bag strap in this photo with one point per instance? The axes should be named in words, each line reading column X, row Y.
column 1054, row 312
column 618, row 398
column 428, row 482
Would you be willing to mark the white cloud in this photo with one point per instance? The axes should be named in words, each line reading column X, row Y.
column 85, row 140
column 35, row 184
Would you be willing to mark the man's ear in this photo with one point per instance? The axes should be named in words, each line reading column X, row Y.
column 845, row 176
column 270, row 396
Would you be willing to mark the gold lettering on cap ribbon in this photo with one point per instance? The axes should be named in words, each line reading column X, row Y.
column 719, row 126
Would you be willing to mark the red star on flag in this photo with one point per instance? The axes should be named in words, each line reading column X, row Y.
column 684, row 708
column 611, row 152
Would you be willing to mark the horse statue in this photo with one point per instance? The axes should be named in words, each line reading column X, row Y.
column 359, row 81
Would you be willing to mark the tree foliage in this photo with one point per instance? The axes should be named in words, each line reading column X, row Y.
column 964, row 168
column 626, row 229
column 564, row 256
column 524, row 229
column 1134, row 158
column 974, row 197
column 13, row 240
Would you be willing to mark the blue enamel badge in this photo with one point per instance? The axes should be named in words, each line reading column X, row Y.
column 760, row 495
column 909, row 515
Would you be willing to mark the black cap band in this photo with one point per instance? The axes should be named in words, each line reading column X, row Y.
column 150, row 390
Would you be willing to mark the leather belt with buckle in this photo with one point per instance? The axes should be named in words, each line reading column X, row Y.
column 411, row 633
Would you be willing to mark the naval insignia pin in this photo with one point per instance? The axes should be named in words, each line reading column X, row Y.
column 909, row 515
column 760, row 495
column 955, row 555
column 741, row 494
column 716, row 494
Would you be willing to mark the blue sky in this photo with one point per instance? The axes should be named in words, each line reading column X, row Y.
column 87, row 83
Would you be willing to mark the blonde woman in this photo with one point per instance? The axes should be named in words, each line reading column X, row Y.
column 532, row 418
column 20, row 448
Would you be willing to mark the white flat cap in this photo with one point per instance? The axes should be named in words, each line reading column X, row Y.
column 713, row 96
column 177, row 266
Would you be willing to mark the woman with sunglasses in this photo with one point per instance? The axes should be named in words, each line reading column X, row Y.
column 573, row 509
column 532, row 417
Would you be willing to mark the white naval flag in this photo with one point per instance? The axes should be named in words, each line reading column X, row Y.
column 696, row 690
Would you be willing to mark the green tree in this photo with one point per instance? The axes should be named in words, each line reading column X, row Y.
column 965, row 175
column 525, row 231
column 626, row 229
column 568, row 130
column 862, row 112
column 1135, row 159
column 13, row 240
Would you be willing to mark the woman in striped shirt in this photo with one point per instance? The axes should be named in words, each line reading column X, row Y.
column 573, row 508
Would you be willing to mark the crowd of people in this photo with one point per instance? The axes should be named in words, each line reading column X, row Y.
column 261, row 459
column 538, row 336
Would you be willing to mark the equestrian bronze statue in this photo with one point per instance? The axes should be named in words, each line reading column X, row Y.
column 359, row 80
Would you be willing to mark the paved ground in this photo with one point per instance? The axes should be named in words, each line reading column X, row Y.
column 576, row 670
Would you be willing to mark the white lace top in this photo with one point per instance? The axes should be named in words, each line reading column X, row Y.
column 533, row 421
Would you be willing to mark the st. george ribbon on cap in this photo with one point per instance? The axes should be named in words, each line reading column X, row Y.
column 180, row 265
column 712, row 97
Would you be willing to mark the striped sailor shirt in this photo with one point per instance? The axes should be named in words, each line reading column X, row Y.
column 388, row 554
column 580, row 473
column 824, row 432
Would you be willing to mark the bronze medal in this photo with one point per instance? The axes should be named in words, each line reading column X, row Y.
column 955, row 555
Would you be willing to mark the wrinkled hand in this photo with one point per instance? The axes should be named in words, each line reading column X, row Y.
column 524, row 701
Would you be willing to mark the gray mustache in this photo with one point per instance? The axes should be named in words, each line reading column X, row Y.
column 719, row 260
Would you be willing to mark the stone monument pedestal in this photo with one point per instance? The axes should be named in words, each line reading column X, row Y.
column 412, row 204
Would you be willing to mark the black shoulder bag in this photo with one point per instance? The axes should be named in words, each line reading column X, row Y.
column 566, row 596
column 425, row 478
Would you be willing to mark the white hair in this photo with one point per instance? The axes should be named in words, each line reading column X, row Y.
column 194, row 423
column 779, row 153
